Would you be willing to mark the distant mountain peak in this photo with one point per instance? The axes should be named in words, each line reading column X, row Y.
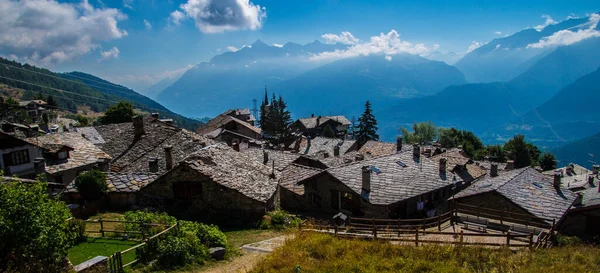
column 259, row 43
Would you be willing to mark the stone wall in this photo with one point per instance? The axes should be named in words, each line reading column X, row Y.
column 291, row 201
column 217, row 203
column 583, row 223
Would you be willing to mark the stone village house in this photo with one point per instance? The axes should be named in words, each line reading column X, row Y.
column 315, row 126
column 17, row 156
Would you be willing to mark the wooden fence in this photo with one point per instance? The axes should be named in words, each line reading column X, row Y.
column 115, row 261
column 114, row 226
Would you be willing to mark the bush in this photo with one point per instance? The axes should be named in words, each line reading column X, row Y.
column 77, row 228
column 563, row 240
column 211, row 236
column 279, row 219
column 177, row 251
column 149, row 218
column 91, row 185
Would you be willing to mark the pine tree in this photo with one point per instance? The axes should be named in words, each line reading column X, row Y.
column 367, row 125
column 264, row 110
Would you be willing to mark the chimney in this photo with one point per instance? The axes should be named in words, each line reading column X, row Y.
column 169, row 157
column 325, row 155
column 308, row 141
column 318, row 121
column 417, row 151
column 153, row 164
column 297, row 143
column 138, row 126
column 579, row 200
column 236, row 146
column 510, row 165
column 591, row 180
column 443, row 164
column 155, row 115
column 557, row 178
column 359, row 157
column 398, row 144
column 312, row 115
column 103, row 164
column 39, row 165
column 494, row 170
column 265, row 157
column 366, row 178
column 336, row 151
column 596, row 169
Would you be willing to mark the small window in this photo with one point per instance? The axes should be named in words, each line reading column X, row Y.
column 401, row 164
column 63, row 155
column 16, row 158
column 348, row 201
column 537, row 185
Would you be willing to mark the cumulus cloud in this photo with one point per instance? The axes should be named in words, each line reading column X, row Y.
column 128, row 4
column 474, row 45
column 345, row 38
column 42, row 31
column 498, row 32
column 113, row 53
column 277, row 45
column 215, row 16
column 549, row 21
column 386, row 43
column 147, row 25
column 388, row 57
column 569, row 37
column 232, row 48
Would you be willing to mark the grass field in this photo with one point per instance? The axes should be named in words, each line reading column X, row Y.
column 101, row 247
column 313, row 252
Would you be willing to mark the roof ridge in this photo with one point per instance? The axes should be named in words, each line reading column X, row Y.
column 513, row 177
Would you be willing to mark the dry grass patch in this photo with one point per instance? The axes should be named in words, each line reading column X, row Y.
column 313, row 252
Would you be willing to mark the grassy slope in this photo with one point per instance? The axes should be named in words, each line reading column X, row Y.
column 324, row 253
column 101, row 247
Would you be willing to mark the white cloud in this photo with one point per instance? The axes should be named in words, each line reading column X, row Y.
column 549, row 21
column 497, row 47
column 232, row 48
column 147, row 25
column 215, row 16
column 128, row 4
column 474, row 45
column 386, row 43
column 41, row 31
column 345, row 38
column 436, row 46
column 388, row 57
column 498, row 32
column 569, row 37
column 113, row 53
column 277, row 45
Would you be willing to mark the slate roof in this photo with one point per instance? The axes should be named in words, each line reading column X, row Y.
column 394, row 183
column 131, row 154
column 123, row 182
column 234, row 170
column 26, row 102
column 294, row 173
column 10, row 141
column 282, row 158
column 591, row 194
column 311, row 122
column 241, row 112
column 378, row 148
column 221, row 120
column 324, row 144
column 84, row 152
column 461, row 165
column 574, row 178
column 540, row 199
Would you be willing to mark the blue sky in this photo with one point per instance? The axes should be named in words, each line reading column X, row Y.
column 115, row 42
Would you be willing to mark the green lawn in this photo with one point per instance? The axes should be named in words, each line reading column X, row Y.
column 101, row 247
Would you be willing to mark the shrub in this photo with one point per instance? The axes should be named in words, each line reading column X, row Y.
column 279, row 219
column 211, row 236
column 91, row 185
column 563, row 240
column 177, row 251
column 77, row 228
column 147, row 217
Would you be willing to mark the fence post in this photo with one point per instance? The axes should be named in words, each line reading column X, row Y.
column 399, row 227
column 336, row 230
column 508, row 239
column 530, row 240
column 502, row 216
column 461, row 237
column 439, row 223
column 417, row 237
column 101, row 226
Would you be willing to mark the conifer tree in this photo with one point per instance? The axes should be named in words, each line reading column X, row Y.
column 367, row 125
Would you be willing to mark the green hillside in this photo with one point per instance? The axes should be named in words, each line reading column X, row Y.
column 76, row 89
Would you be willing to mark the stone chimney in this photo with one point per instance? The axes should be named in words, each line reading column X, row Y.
column 39, row 165
column 510, row 165
column 265, row 157
column 169, row 157
column 153, row 164
column 138, row 126
column 596, row 169
column 308, row 141
column 336, row 151
column 236, row 146
column 325, row 154
column 318, row 121
column 398, row 144
column 591, row 180
column 103, row 164
column 557, row 179
column 416, row 151
column 579, row 199
column 443, row 164
column 297, row 144
column 155, row 115
column 494, row 170
column 366, row 178
column 359, row 157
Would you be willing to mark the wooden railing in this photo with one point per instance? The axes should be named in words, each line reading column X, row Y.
column 503, row 215
column 103, row 230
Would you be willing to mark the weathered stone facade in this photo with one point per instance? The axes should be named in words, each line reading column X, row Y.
column 495, row 201
column 584, row 223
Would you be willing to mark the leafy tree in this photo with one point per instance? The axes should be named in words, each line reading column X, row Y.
column 547, row 161
column 51, row 101
column 91, row 185
column 328, row 132
column 534, row 154
column 496, row 153
column 82, row 120
column 518, row 150
column 118, row 113
column 367, row 125
column 34, row 232
column 423, row 132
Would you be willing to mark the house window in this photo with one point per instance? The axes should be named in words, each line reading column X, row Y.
column 348, row 201
column 63, row 155
column 16, row 158
column 187, row 190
